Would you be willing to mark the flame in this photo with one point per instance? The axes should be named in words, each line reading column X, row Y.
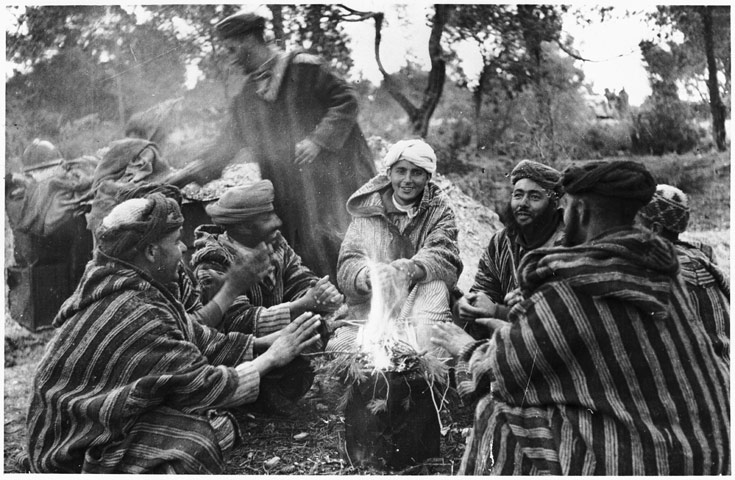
column 385, row 328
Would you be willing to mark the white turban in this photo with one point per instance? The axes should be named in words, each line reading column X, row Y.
column 417, row 152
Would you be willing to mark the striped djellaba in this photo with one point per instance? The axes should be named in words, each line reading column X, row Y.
column 130, row 384
column 604, row 369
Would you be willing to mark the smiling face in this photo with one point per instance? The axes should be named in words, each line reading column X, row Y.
column 528, row 201
column 408, row 181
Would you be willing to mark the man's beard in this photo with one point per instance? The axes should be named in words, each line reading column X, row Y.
column 508, row 218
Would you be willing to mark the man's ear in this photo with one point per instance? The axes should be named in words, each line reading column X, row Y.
column 150, row 251
column 584, row 212
column 657, row 228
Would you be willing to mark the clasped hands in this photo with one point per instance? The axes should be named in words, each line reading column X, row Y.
column 403, row 269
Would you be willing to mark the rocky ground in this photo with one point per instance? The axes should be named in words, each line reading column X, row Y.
column 312, row 440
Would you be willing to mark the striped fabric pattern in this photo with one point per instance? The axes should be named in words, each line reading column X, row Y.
column 496, row 274
column 261, row 311
column 128, row 383
column 709, row 292
column 601, row 370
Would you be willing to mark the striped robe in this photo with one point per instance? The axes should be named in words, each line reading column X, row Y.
column 601, row 370
column 709, row 292
column 262, row 309
column 497, row 271
column 130, row 384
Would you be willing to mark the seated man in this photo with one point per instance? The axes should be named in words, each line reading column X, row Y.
column 129, row 384
column 244, row 216
column 403, row 225
column 245, row 268
column 533, row 220
column 668, row 215
column 600, row 370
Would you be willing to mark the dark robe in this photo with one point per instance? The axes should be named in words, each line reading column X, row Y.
column 310, row 199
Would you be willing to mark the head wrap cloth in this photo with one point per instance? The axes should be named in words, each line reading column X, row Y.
column 625, row 180
column 669, row 207
column 547, row 177
column 138, row 222
column 240, row 204
column 417, row 152
column 209, row 251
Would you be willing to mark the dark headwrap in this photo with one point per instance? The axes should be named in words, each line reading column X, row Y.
column 209, row 251
column 547, row 177
column 622, row 179
column 240, row 24
column 138, row 222
column 239, row 204
column 142, row 190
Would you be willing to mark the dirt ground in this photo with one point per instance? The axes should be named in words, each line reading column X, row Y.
column 277, row 445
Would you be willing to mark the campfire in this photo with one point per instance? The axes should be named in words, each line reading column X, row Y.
column 394, row 381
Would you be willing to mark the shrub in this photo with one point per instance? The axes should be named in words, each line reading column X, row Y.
column 606, row 138
column 664, row 126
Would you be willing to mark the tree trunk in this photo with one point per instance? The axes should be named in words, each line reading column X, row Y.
column 715, row 102
column 277, row 12
column 477, row 100
column 420, row 116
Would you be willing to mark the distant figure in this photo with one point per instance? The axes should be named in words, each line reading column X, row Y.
column 668, row 215
column 622, row 103
column 533, row 219
column 299, row 122
column 39, row 153
column 600, row 370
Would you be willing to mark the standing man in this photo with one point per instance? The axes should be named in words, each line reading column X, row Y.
column 299, row 121
column 668, row 215
column 533, row 220
column 600, row 370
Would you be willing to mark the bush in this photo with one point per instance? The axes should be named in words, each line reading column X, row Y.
column 664, row 126
column 606, row 138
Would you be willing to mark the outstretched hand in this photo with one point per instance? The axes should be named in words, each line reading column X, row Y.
column 295, row 338
column 450, row 337
column 323, row 297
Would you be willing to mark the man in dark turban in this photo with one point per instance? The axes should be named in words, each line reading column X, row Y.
column 129, row 383
column 533, row 220
column 298, row 121
column 600, row 370
column 245, row 217
column 709, row 290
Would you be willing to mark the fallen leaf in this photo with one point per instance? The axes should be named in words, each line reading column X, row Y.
column 301, row 436
column 268, row 464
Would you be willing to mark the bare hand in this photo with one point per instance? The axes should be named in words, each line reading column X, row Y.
column 249, row 267
column 323, row 297
column 513, row 297
column 306, row 152
column 450, row 337
column 294, row 339
column 410, row 269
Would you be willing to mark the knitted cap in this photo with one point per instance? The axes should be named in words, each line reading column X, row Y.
column 668, row 207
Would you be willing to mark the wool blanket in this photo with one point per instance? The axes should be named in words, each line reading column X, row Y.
column 130, row 384
column 604, row 369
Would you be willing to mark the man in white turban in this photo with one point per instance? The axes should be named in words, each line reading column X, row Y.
column 401, row 246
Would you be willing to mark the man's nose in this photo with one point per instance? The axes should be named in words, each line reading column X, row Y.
column 182, row 247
